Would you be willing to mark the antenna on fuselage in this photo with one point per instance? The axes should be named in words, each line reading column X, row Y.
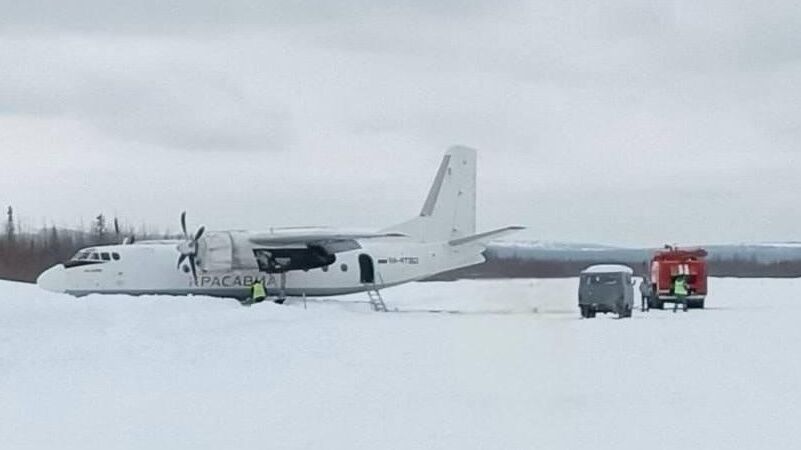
column 127, row 240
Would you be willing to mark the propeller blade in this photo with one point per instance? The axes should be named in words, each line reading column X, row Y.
column 194, row 269
column 183, row 224
column 116, row 227
column 199, row 233
column 181, row 259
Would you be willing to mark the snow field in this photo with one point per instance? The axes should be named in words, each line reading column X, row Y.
column 161, row 372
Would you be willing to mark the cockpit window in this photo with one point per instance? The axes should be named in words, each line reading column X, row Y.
column 80, row 256
column 86, row 257
column 115, row 256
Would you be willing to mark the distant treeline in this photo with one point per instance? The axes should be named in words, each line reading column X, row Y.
column 505, row 265
column 25, row 253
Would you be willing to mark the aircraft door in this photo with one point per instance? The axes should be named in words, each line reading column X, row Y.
column 366, row 269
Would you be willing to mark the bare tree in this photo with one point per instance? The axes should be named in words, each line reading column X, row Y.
column 100, row 228
column 54, row 243
column 11, row 231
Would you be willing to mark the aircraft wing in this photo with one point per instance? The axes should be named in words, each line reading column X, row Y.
column 331, row 241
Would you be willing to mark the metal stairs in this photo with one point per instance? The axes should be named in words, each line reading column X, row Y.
column 376, row 301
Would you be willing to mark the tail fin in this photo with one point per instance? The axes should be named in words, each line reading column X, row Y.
column 449, row 211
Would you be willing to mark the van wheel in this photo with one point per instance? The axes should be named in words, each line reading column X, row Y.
column 656, row 304
column 696, row 304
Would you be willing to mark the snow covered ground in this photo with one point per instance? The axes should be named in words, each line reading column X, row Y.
column 519, row 371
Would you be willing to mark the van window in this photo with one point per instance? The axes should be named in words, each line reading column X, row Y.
column 603, row 279
column 105, row 256
column 115, row 256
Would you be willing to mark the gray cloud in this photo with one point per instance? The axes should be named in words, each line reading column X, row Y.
column 630, row 99
column 165, row 92
column 201, row 16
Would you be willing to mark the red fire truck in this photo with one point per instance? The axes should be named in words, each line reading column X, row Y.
column 671, row 262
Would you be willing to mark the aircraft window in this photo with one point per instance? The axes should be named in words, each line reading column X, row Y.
column 83, row 258
column 80, row 256
column 105, row 256
column 115, row 256
column 344, row 267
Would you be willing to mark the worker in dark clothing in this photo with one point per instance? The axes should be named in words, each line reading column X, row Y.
column 257, row 292
column 645, row 293
column 680, row 290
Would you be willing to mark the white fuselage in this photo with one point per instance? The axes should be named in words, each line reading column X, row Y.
column 150, row 268
column 295, row 261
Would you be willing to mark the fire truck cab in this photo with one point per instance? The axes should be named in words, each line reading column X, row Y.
column 672, row 262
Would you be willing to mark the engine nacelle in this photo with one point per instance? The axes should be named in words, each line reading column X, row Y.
column 225, row 251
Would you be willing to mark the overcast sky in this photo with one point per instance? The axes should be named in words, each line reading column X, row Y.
column 615, row 122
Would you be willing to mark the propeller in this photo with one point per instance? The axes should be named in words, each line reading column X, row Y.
column 189, row 248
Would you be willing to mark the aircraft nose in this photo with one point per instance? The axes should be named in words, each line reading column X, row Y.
column 53, row 279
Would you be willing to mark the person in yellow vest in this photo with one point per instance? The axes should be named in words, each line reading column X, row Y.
column 257, row 292
column 680, row 290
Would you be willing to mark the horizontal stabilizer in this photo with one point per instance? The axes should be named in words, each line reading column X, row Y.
column 486, row 236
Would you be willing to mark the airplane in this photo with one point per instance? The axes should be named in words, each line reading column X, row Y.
column 294, row 261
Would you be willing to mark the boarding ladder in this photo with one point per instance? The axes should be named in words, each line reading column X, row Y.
column 376, row 301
